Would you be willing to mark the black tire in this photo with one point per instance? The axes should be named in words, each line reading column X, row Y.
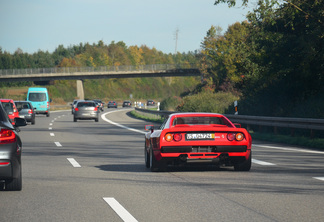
column 48, row 114
column 147, row 157
column 244, row 166
column 153, row 162
column 96, row 119
column 75, row 119
column 33, row 122
column 15, row 184
column 155, row 165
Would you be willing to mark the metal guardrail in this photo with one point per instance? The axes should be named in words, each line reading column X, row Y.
column 69, row 70
column 286, row 122
column 293, row 123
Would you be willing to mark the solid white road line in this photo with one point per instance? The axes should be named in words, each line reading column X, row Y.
column 57, row 144
column 103, row 116
column 290, row 149
column 319, row 178
column 119, row 209
column 73, row 162
column 262, row 163
column 52, row 134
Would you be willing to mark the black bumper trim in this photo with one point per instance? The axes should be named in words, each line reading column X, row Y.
column 203, row 149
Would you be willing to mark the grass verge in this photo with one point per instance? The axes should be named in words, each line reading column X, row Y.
column 142, row 117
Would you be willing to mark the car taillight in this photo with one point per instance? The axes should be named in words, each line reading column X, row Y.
column 47, row 104
column 76, row 109
column 30, row 111
column 96, row 109
column 239, row 136
column 168, row 137
column 4, row 163
column 176, row 137
column 235, row 136
column 7, row 136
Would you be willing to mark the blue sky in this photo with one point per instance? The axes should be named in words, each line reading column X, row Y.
column 33, row 25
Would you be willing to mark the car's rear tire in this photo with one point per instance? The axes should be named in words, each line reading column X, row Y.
column 96, row 119
column 75, row 119
column 244, row 166
column 33, row 122
column 14, row 184
column 155, row 165
column 153, row 162
column 147, row 157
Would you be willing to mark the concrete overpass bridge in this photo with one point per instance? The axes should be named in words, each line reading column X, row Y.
column 81, row 73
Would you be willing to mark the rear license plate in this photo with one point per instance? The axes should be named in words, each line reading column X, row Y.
column 200, row 136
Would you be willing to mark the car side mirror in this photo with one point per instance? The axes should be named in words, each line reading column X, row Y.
column 149, row 127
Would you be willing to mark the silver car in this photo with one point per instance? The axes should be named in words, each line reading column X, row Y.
column 10, row 152
column 86, row 110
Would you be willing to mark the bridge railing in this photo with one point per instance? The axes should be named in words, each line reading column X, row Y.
column 154, row 67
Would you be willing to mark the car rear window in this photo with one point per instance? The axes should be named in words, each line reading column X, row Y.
column 37, row 97
column 22, row 105
column 86, row 104
column 7, row 106
column 200, row 120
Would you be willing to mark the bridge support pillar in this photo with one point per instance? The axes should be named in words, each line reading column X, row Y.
column 80, row 92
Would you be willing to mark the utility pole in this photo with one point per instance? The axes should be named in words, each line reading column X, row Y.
column 176, row 39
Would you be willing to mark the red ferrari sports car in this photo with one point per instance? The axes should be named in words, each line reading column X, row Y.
column 197, row 137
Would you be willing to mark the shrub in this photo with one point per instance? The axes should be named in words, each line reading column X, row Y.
column 207, row 102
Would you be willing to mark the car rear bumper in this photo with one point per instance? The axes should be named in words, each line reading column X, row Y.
column 93, row 115
column 5, row 169
column 9, row 161
column 236, row 153
column 41, row 111
column 28, row 118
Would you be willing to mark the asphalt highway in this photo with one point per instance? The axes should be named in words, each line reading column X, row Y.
column 94, row 171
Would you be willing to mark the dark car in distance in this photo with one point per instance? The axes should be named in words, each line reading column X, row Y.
column 150, row 103
column 26, row 111
column 127, row 103
column 112, row 104
column 86, row 110
column 73, row 105
column 10, row 150
column 99, row 103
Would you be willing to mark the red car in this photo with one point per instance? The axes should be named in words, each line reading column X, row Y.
column 197, row 137
column 11, row 109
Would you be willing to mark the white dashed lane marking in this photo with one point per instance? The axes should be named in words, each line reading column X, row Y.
column 119, row 209
column 73, row 162
column 52, row 134
column 319, row 178
column 58, row 144
column 263, row 163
